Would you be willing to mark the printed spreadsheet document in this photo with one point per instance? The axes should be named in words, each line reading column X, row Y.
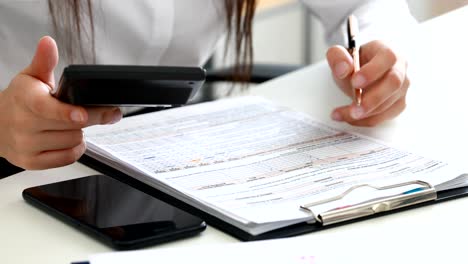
column 253, row 163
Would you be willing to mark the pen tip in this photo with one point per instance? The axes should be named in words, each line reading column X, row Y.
column 358, row 96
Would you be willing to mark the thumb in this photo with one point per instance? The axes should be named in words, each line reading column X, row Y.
column 349, row 113
column 44, row 61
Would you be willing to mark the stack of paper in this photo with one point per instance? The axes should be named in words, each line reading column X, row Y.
column 252, row 163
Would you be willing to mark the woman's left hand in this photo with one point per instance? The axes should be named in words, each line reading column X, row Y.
column 382, row 78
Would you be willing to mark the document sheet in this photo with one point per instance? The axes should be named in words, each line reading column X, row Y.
column 252, row 162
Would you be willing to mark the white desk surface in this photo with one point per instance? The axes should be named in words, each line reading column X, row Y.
column 435, row 123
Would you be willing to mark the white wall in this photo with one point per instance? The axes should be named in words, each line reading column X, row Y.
column 278, row 35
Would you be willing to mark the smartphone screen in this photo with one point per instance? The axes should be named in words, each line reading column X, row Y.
column 114, row 212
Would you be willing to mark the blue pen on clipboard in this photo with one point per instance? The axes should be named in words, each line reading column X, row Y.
column 403, row 193
column 406, row 192
column 414, row 190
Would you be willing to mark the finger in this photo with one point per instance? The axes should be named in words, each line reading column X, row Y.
column 382, row 59
column 340, row 61
column 45, row 106
column 95, row 116
column 375, row 120
column 379, row 92
column 103, row 115
column 341, row 64
column 391, row 100
column 343, row 113
column 53, row 125
column 352, row 113
column 44, row 62
column 54, row 140
column 33, row 122
column 56, row 158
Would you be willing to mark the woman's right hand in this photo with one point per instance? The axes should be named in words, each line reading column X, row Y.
column 37, row 131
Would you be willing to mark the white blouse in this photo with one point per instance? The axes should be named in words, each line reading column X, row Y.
column 164, row 32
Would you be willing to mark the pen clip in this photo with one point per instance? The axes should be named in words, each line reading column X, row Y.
column 352, row 28
column 353, row 49
column 373, row 206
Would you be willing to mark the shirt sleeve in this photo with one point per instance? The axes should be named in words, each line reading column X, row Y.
column 378, row 19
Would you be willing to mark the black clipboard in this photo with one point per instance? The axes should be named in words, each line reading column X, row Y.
column 289, row 231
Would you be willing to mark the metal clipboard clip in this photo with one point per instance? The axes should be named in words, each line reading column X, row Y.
column 373, row 206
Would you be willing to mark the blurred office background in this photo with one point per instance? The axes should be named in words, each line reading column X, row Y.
column 282, row 25
column 284, row 33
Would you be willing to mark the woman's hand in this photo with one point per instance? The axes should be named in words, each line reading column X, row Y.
column 36, row 130
column 382, row 78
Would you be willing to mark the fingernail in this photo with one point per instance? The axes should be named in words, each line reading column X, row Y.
column 358, row 81
column 337, row 116
column 341, row 69
column 357, row 112
column 77, row 116
column 116, row 116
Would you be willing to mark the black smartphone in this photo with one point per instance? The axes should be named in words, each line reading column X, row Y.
column 114, row 212
column 129, row 85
